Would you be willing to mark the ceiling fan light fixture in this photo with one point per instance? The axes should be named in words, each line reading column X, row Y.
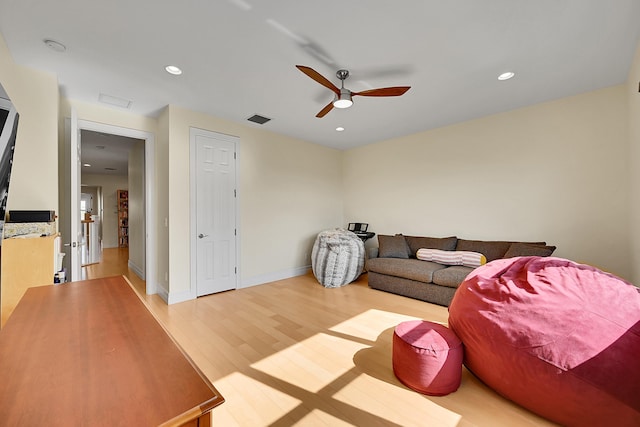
column 342, row 103
column 344, row 100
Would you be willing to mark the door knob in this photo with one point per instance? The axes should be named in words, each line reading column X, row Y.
column 202, row 236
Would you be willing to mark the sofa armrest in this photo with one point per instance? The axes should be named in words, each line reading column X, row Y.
column 372, row 253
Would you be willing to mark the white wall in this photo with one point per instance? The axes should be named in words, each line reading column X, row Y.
column 289, row 190
column 110, row 184
column 34, row 175
column 556, row 171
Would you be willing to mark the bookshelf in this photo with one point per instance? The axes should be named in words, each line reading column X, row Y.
column 123, row 218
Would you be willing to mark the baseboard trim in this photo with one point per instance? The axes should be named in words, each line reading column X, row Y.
column 162, row 293
column 176, row 297
column 139, row 272
column 272, row 277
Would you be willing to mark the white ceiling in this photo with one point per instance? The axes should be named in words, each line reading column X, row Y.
column 104, row 154
column 239, row 56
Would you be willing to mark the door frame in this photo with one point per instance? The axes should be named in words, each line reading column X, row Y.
column 193, row 132
column 149, row 192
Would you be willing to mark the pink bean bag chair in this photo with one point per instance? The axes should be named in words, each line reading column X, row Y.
column 559, row 338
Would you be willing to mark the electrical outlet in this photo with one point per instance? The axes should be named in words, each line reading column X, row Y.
column 166, row 276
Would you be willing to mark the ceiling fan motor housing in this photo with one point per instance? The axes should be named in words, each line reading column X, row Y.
column 344, row 100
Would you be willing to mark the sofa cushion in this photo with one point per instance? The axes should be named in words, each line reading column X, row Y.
column 451, row 277
column 491, row 249
column 392, row 246
column 414, row 269
column 466, row 258
column 442, row 243
column 528, row 249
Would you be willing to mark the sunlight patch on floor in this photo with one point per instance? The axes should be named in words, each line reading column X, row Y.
column 320, row 418
column 311, row 364
column 370, row 324
column 267, row 404
column 369, row 395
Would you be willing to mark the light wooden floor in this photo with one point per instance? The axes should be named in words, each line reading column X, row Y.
column 295, row 353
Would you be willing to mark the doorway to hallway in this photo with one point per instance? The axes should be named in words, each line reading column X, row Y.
column 146, row 267
column 114, row 262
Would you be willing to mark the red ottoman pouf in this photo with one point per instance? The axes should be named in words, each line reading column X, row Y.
column 427, row 357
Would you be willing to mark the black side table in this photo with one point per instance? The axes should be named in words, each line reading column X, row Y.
column 364, row 235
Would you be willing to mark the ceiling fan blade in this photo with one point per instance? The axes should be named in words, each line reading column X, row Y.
column 325, row 110
column 385, row 91
column 319, row 78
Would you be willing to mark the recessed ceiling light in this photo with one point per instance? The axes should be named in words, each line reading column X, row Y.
column 506, row 76
column 339, row 128
column 87, row 165
column 172, row 69
column 54, row 45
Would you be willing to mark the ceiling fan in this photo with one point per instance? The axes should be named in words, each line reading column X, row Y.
column 343, row 95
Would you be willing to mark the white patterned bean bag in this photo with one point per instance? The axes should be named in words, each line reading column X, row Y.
column 337, row 258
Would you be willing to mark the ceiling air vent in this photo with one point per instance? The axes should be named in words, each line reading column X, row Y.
column 114, row 100
column 256, row 118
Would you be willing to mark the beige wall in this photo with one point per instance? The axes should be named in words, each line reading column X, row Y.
column 110, row 184
column 634, row 155
column 34, row 175
column 289, row 190
column 556, row 171
column 136, row 209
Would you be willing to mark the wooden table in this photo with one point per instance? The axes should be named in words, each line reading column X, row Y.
column 90, row 353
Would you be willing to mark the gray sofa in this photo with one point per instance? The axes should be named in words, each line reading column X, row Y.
column 395, row 268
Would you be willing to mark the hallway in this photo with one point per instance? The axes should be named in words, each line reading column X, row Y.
column 114, row 262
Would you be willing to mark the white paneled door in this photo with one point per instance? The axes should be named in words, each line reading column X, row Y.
column 215, row 206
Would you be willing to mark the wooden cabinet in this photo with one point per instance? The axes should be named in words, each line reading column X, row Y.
column 26, row 262
column 123, row 218
column 70, row 358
